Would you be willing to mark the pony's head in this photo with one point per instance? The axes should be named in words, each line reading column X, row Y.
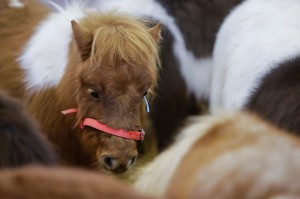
column 117, row 65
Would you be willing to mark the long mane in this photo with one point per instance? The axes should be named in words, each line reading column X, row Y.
column 119, row 38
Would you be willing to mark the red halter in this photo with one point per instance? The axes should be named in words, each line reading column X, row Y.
column 133, row 135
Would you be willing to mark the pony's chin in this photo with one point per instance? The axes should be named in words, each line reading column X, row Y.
column 109, row 172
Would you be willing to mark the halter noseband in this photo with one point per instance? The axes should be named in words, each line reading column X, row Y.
column 133, row 135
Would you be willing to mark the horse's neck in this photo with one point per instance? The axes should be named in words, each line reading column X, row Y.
column 61, row 131
column 46, row 106
column 17, row 27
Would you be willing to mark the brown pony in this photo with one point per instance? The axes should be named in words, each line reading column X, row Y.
column 235, row 155
column 102, row 64
column 20, row 141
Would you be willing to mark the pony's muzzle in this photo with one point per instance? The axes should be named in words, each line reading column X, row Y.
column 118, row 165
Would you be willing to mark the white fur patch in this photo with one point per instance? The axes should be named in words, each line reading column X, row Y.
column 196, row 72
column 16, row 4
column 253, row 38
column 46, row 54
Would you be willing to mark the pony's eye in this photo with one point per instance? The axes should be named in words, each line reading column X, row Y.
column 93, row 94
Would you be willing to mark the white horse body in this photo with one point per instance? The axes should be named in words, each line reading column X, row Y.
column 254, row 38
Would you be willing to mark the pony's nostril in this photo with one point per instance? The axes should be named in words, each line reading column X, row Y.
column 118, row 165
column 132, row 161
column 110, row 162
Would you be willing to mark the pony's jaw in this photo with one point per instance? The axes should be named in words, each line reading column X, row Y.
column 109, row 154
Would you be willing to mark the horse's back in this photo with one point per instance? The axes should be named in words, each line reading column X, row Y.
column 232, row 155
column 254, row 37
column 240, row 156
column 17, row 24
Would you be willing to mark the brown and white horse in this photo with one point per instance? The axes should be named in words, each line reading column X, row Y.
column 234, row 155
column 102, row 65
column 257, row 62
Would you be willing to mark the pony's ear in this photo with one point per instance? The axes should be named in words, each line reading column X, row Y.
column 83, row 38
column 155, row 32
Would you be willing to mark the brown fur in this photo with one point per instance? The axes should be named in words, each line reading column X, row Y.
column 20, row 142
column 198, row 21
column 173, row 104
column 115, row 55
column 276, row 98
column 59, row 183
column 17, row 25
column 232, row 159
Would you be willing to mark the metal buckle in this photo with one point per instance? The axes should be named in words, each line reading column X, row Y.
column 81, row 125
column 142, row 134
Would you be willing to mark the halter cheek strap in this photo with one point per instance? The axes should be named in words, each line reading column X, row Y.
column 69, row 111
column 133, row 135
column 147, row 104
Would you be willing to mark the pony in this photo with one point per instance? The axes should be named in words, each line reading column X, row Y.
column 21, row 143
column 257, row 62
column 100, row 66
column 189, row 30
column 40, row 182
column 229, row 155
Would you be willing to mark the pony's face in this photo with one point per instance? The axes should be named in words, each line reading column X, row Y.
column 114, row 95
column 115, row 98
column 117, row 69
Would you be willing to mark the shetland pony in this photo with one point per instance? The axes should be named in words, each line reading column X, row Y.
column 189, row 29
column 257, row 62
column 61, row 183
column 20, row 142
column 233, row 155
column 98, row 65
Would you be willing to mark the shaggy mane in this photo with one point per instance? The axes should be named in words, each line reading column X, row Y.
column 120, row 38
